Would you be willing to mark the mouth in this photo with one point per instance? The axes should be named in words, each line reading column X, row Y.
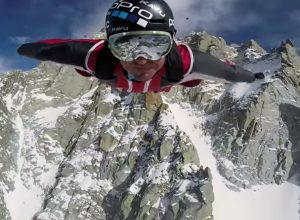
column 143, row 68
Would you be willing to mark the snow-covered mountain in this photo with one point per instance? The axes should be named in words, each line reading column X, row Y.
column 73, row 148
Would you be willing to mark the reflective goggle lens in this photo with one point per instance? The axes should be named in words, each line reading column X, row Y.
column 129, row 46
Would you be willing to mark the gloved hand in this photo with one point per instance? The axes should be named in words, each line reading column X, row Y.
column 259, row 75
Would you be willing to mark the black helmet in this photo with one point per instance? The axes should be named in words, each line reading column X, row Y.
column 137, row 15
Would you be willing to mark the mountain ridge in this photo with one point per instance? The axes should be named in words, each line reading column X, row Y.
column 81, row 150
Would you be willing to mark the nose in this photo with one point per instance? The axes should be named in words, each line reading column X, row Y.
column 141, row 60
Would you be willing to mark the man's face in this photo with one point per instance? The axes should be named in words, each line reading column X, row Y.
column 143, row 69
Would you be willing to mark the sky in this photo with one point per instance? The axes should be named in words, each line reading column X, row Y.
column 237, row 21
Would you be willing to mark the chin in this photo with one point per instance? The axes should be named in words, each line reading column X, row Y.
column 145, row 76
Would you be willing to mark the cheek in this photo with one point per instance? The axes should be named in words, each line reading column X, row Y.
column 127, row 64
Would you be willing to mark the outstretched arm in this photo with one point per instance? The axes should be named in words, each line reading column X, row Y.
column 65, row 51
column 210, row 67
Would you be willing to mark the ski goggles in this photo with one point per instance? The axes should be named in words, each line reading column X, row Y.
column 151, row 45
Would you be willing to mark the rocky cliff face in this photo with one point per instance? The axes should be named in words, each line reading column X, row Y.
column 261, row 138
column 254, row 133
column 86, row 152
column 72, row 148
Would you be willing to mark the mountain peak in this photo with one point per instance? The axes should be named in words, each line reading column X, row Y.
column 289, row 54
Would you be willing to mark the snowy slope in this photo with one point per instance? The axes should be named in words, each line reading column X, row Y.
column 269, row 202
column 259, row 202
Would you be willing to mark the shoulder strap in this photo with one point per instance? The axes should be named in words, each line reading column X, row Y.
column 174, row 65
column 105, row 64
